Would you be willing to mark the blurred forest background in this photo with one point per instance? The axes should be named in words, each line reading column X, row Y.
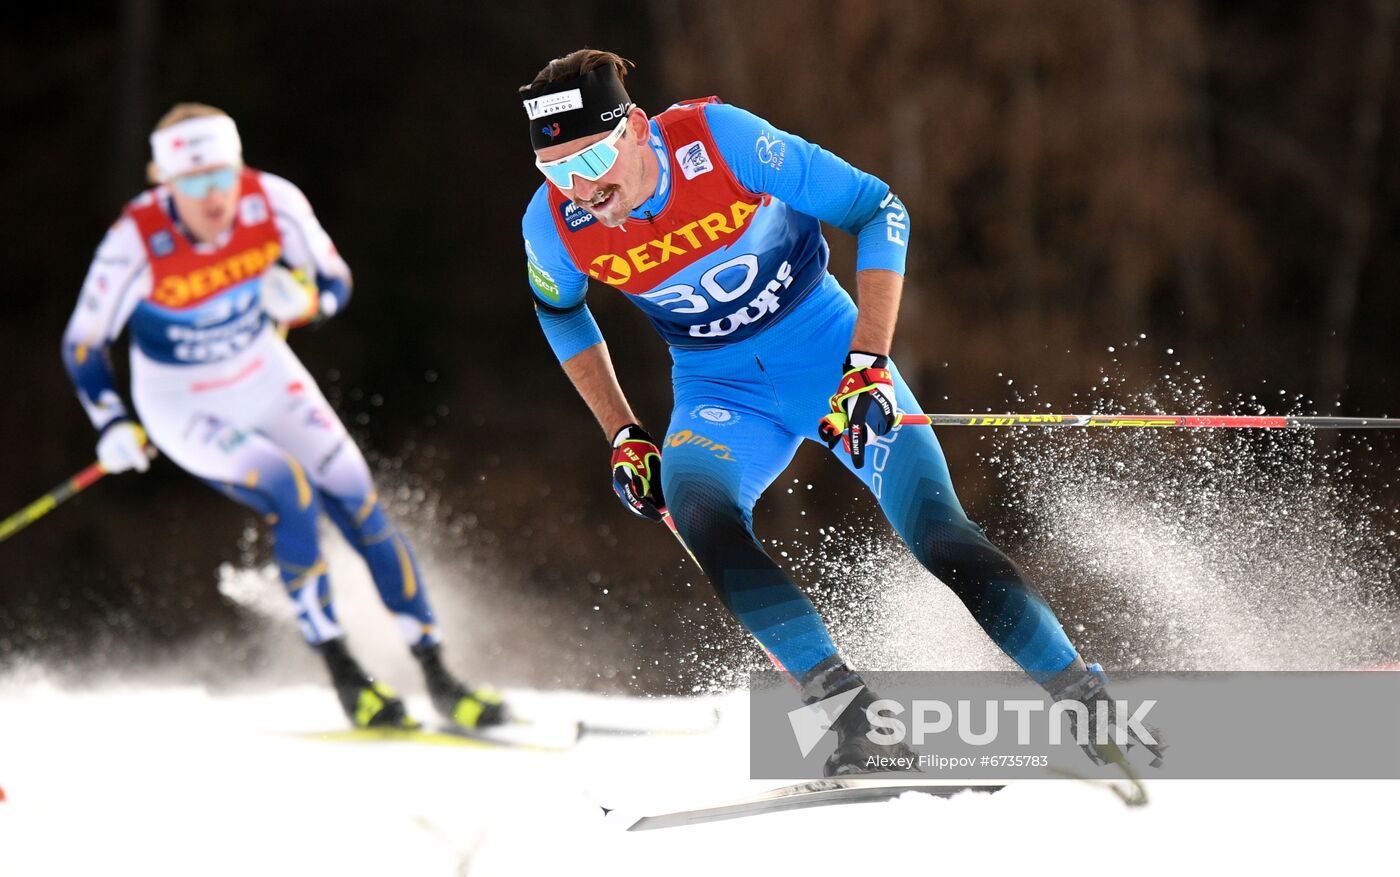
column 1215, row 178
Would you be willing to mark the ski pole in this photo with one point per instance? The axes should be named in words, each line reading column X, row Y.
column 671, row 525
column 65, row 491
column 1151, row 421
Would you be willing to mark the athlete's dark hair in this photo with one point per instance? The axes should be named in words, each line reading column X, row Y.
column 576, row 64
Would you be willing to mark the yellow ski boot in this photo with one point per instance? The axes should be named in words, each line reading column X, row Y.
column 465, row 707
column 368, row 702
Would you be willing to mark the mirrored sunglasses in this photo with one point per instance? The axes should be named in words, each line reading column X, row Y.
column 591, row 162
column 198, row 185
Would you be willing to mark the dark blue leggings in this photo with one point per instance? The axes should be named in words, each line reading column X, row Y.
column 741, row 412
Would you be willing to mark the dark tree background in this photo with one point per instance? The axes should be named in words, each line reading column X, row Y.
column 1219, row 176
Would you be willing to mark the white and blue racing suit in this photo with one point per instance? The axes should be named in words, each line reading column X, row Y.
column 221, row 394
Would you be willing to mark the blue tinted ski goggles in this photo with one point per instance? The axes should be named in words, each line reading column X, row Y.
column 591, row 162
column 198, row 185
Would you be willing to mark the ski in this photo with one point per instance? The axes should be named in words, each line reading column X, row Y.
column 1153, row 421
column 800, row 796
column 617, row 727
column 528, row 736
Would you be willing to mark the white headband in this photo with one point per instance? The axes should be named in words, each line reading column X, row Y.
column 204, row 141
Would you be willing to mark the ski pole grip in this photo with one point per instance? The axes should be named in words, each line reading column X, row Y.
column 145, row 441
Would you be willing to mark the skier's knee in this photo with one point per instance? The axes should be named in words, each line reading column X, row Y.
column 705, row 514
column 359, row 516
column 289, row 491
column 277, row 488
column 955, row 550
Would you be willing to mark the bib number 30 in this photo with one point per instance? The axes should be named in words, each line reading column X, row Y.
column 740, row 274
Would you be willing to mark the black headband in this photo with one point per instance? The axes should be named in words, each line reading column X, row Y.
column 571, row 108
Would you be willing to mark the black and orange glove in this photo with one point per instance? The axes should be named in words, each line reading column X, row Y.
column 636, row 472
column 863, row 404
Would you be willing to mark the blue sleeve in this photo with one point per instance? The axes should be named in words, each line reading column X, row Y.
column 558, row 285
column 569, row 332
column 90, row 369
column 116, row 282
column 337, row 287
column 814, row 181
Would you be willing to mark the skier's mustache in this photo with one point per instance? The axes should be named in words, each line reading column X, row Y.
column 598, row 197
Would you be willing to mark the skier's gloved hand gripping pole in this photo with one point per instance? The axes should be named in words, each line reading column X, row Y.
column 863, row 404
column 292, row 300
column 636, row 470
column 123, row 446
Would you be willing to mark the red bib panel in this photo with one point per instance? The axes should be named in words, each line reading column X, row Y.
column 707, row 210
column 181, row 277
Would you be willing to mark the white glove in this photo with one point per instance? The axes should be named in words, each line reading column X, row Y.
column 286, row 299
column 122, row 447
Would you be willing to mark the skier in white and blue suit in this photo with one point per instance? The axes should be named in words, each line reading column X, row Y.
column 201, row 268
column 707, row 217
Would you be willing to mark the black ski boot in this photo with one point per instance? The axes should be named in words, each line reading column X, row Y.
column 855, row 752
column 459, row 704
column 1087, row 685
column 368, row 702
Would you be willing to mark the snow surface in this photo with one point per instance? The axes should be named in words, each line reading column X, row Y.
column 158, row 780
column 1159, row 552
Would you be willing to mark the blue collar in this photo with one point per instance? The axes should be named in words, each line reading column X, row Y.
column 657, row 202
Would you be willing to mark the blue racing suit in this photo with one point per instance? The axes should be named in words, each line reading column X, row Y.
column 728, row 261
